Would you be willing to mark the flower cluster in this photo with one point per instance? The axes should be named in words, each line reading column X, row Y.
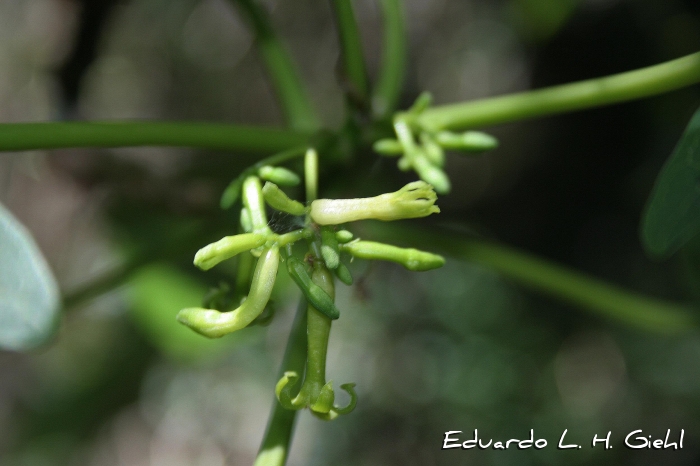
column 427, row 155
column 326, row 245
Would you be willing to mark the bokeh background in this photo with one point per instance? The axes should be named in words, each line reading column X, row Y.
column 458, row 348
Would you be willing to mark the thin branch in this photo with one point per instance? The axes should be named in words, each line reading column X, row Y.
column 391, row 75
column 278, row 436
column 286, row 81
column 351, row 47
column 576, row 288
column 224, row 137
column 631, row 85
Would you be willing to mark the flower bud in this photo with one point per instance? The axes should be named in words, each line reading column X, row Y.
column 431, row 174
column 279, row 200
column 390, row 147
column 472, row 141
column 279, row 175
column 253, row 201
column 343, row 236
column 432, row 150
column 225, row 248
column 412, row 259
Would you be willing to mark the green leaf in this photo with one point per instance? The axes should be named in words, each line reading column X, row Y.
column 672, row 216
column 29, row 296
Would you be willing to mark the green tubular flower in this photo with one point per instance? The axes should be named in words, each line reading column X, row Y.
column 253, row 201
column 279, row 200
column 473, row 141
column 432, row 150
column 416, row 157
column 431, row 174
column 343, row 274
column 414, row 200
column 214, row 324
column 246, row 221
column 225, row 248
column 279, row 175
column 421, row 103
column 388, row 147
column 412, row 259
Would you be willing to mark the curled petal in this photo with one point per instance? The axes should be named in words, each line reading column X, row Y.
column 336, row 411
column 350, row 389
column 324, row 400
column 283, row 390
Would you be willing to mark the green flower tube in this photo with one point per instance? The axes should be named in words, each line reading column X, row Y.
column 388, row 147
column 279, row 175
column 473, row 141
column 431, row 173
column 225, row 248
column 277, row 199
column 414, row 200
column 214, row 324
column 412, row 259
column 253, row 201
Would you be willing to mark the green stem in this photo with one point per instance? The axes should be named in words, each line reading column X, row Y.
column 278, row 436
column 391, row 75
column 215, row 136
column 288, row 85
column 561, row 282
column 644, row 82
column 351, row 47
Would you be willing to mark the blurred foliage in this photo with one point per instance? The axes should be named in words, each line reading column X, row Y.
column 457, row 348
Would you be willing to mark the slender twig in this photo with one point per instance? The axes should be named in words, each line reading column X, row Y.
column 288, row 85
column 224, row 137
column 391, row 74
column 278, row 436
column 561, row 282
column 351, row 48
column 644, row 82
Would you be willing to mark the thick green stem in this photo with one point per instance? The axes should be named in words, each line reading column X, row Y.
column 215, row 136
column 278, row 436
column 561, row 282
column 351, row 47
column 391, row 74
column 285, row 78
column 644, row 82
column 319, row 329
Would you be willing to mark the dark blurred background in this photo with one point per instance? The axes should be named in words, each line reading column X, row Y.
column 453, row 349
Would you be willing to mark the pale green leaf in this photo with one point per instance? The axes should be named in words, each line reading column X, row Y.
column 29, row 296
